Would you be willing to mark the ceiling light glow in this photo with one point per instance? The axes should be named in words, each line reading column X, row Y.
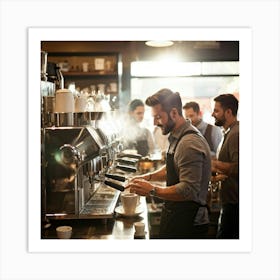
column 159, row 44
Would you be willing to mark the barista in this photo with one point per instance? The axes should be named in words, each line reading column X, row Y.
column 187, row 171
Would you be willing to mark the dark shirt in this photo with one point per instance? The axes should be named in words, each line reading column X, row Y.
column 229, row 152
column 192, row 162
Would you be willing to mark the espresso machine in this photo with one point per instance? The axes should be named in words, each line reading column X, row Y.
column 78, row 160
column 83, row 175
column 81, row 172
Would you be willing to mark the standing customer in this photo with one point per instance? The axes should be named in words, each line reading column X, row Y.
column 212, row 134
column 135, row 136
column 225, row 114
column 187, row 171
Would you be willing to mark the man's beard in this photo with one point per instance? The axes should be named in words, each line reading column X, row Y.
column 165, row 129
column 220, row 122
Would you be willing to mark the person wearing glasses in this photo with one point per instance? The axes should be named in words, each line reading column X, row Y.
column 187, row 171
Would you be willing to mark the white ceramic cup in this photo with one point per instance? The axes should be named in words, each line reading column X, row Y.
column 139, row 228
column 129, row 202
column 113, row 87
column 85, row 66
column 80, row 104
column 99, row 63
column 64, row 232
column 101, row 87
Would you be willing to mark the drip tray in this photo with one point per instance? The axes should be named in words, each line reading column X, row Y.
column 102, row 204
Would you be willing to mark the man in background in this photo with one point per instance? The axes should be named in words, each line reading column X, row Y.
column 227, row 164
column 212, row 133
column 134, row 135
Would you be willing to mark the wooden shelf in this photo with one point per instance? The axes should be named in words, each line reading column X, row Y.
column 109, row 74
column 103, row 69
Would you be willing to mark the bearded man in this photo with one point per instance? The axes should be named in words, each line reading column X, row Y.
column 187, row 171
column 227, row 165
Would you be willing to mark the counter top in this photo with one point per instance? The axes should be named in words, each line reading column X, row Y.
column 119, row 227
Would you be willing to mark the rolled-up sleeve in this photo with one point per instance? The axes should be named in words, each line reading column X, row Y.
column 189, row 159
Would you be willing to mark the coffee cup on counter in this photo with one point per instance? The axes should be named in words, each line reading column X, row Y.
column 64, row 232
column 139, row 228
column 129, row 202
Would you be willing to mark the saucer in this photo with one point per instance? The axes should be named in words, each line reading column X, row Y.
column 140, row 235
column 139, row 209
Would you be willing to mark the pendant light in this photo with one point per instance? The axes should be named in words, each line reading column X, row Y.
column 159, row 44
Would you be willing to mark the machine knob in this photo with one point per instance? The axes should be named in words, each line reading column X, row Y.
column 69, row 154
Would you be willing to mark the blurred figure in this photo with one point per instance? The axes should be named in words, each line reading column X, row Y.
column 225, row 114
column 134, row 135
column 212, row 134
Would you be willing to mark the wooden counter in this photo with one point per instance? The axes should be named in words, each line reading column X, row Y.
column 119, row 227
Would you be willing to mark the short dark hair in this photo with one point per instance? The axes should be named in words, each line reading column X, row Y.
column 193, row 105
column 228, row 101
column 167, row 99
column 133, row 104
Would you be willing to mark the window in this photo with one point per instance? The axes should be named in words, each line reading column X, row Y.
column 196, row 81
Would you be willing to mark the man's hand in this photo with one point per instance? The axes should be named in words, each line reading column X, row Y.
column 140, row 187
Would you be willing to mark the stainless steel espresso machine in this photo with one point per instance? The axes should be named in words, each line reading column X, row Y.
column 81, row 174
column 79, row 161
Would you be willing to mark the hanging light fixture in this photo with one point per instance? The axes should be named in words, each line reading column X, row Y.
column 159, row 44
